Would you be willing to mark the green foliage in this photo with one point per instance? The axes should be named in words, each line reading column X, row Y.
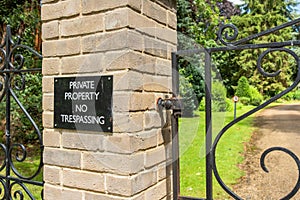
column 192, row 71
column 197, row 20
column 297, row 95
column 229, row 105
column 196, row 24
column 255, row 97
column 202, row 105
column 245, row 100
column 243, row 88
column 31, row 98
column 219, row 101
column 219, row 97
column 23, row 16
column 289, row 96
column 259, row 16
column 293, row 95
column 188, row 97
column 248, row 94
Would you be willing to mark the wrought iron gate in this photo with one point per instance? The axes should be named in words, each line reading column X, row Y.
column 231, row 45
column 14, row 183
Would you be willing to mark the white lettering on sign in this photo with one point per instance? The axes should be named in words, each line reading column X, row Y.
column 86, row 119
column 81, row 108
column 82, row 85
column 84, row 96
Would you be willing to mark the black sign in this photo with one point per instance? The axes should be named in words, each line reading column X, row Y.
column 83, row 103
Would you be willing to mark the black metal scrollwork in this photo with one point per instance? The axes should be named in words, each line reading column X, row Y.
column 267, row 74
column 228, row 37
column 12, row 77
column 295, row 158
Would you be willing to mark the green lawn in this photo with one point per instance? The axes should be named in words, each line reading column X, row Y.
column 192, row 152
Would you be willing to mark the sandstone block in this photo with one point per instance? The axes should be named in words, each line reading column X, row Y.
column 48, row 102
column 82, row 141
column 48, row 84
column 113, row 163
column 120, row 185
column 82, row 25
column 155, row 47
column 48, row 119
column 155, row 11
column 52, row 175
column 62, row 47
column 50, row 30
column 153, row 120
column 157, row 83
column 83, row 180
column 60, row 9
column 158, row 191
column 51, row 138
column 128, row 122
column 98, row 196
column 123, row 40
column 172, row 20
column 155, row 156
column 51, row 66
column 56, row 192
column 63, row 158
column 82, row 63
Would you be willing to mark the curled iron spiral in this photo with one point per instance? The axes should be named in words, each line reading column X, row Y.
column 223, row 32
column 291, row 154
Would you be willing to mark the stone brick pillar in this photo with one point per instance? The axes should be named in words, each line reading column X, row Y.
column 131, row 40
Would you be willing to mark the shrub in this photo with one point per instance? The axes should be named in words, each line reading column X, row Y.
column 255, row 97
column 219, row 93
column 219, row 101
column 243, row 88
column 289, row 96
column 188, row 97
column 297, row 95
column 245, row 100
column 202, row 105
column 229, row 105
column 248, row 94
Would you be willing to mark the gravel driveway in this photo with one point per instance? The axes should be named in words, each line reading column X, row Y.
column 278, row 126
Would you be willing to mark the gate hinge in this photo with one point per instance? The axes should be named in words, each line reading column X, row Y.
column 170, row 104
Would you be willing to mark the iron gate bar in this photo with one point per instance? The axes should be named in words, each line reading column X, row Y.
column 208, row 126
column 266, row 32
column 12, row 65
column 212, row 145
column 174, row 122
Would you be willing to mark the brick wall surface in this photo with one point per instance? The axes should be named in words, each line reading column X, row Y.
column 131, row 40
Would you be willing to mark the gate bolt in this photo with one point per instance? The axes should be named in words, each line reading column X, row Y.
column 168, row 104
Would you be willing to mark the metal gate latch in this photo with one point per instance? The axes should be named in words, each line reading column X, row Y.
column 170, row 103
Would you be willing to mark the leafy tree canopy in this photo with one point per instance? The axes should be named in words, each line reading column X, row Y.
column 198, row 21
column 24, row 18
column 258, row 16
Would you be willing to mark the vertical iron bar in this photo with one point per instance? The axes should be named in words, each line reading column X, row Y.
column 175, row 141
column 7, row 114
column 208, row 126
